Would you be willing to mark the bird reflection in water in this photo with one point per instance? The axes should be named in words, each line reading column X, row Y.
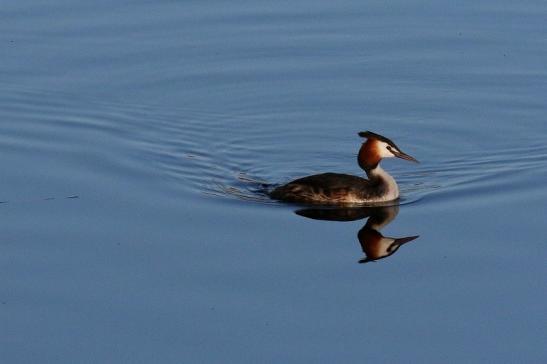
column 374, row 244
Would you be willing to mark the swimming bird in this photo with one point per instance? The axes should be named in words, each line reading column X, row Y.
column 337, row 188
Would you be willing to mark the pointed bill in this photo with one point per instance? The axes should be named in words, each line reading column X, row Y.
column 404, row 156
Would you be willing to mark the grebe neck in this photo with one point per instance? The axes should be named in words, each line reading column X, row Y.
column 383, row 180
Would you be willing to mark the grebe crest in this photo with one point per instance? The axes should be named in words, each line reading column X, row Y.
column 336, row 188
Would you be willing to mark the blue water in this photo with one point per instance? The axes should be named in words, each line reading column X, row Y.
column 135, row 138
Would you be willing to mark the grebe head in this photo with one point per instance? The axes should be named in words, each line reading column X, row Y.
column 377, row 147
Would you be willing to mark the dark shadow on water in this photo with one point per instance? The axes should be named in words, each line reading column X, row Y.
column 375, row 245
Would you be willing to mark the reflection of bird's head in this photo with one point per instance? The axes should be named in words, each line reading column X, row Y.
column 376, row 246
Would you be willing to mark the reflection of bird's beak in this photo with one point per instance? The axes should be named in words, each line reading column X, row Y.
column 402, row 241
column 404, row 156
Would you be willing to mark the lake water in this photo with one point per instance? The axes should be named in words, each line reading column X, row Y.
column 134, row 137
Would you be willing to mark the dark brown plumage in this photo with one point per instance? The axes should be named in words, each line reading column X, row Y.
column 333, row 188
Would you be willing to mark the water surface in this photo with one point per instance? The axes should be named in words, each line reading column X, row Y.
column 135, row 138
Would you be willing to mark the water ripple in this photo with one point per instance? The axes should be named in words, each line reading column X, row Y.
column 238, row 156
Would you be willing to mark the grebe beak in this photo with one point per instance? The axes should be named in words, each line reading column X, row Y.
column 401, row 241
column 404, row 156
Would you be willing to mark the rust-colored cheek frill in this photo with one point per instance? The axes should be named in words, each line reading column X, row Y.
column 369, row 155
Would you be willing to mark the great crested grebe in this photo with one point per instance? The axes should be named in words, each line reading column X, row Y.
column 336, row 188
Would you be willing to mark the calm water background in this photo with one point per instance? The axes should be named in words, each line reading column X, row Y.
column 130, row 231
